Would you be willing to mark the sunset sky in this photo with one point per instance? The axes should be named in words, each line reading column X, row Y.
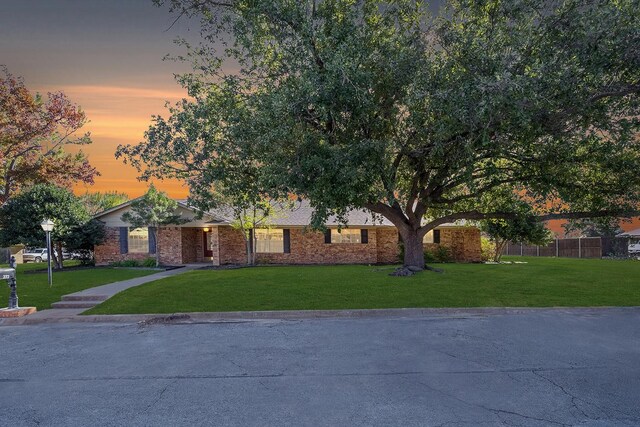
column 106, row 55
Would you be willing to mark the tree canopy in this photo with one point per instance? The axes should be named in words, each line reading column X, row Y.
column 20, row 219
column 99, row 202
column 492, row 110
column 33, row 134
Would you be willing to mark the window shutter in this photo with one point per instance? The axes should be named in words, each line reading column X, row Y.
column 124, row 240
column 251, row 241
column 327, row 236
column 286, row 237
column 152, row 240
column 364, row 235
column 436, row 236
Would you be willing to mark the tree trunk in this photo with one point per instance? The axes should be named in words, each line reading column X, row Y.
column 247, row 242
column 500, row 245
column 157, row 248
column 413, row 249
column 57, row 255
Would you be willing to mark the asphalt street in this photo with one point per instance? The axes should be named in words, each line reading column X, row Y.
column 553, row 367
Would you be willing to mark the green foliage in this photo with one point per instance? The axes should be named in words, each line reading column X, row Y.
column 488, row 249
column 148, row 262
column 126, row 263
column 154, row 209
column 100, row 202
column 21, row 216
column 524, row 229
column 439, row 253
column 470, row 115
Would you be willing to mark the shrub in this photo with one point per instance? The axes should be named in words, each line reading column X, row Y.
column 488, row 249
column 126, row 263
column 438, row 254
column 149, row 262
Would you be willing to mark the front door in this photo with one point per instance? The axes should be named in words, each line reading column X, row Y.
column 206, row 243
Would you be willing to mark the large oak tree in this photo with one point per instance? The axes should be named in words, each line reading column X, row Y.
column 491, row 110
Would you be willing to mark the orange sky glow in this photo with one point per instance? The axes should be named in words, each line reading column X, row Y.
column 119, row 115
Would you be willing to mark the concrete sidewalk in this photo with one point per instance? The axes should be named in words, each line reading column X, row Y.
column 73, row 304
column 111, row 289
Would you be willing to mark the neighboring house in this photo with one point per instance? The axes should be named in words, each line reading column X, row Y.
column 634, row 240
column 288, row 240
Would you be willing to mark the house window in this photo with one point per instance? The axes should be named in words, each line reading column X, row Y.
column 432, row 236
column 138, row 240
column 345, row 236
column 428, row 238
column 269, row 241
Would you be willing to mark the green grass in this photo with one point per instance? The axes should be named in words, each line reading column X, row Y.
column 542, row 282
column 34, row 291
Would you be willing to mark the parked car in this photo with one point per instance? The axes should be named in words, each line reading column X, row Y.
column 634, row 246
column 34, row 255
column 40, row 254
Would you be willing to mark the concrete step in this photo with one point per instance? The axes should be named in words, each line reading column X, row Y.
column 75, row 304
column 72, row 297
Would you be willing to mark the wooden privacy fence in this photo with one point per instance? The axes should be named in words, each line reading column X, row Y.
column 581, row 247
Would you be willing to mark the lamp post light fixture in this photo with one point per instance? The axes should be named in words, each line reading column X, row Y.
column 47, row 226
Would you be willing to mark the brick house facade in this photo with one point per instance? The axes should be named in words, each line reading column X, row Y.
column 212, row 240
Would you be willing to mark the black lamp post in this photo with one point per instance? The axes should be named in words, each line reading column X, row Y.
column 47, row 226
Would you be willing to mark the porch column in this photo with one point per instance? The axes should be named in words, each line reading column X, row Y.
column 215, row 246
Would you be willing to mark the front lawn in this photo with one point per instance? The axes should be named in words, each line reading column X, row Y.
column 34, row 291
column 542, row 282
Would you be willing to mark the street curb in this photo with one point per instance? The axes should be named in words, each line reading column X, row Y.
column 247, row 316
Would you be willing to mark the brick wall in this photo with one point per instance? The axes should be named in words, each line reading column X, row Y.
column 463, row 242
column 191, row 245
column 388, row 250
column 170, row 245
column 185, row 245
column 308, row 247
column 231, row 246
column 109, row 251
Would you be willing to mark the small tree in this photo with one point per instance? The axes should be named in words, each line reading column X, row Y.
column 100, row 202
column 21, row 216
column 155, row 209
column 258, row 215
column 525, row 229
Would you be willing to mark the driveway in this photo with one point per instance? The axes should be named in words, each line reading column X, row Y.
column 535, row 369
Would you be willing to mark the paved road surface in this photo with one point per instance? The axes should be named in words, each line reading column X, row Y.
column 534, row 369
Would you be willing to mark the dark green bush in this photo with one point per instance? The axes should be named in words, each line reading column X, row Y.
column 149, row 262
column 126, row 263
column 438, row 254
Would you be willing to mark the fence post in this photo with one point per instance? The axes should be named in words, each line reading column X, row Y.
column 579, row 247
column 557, row 248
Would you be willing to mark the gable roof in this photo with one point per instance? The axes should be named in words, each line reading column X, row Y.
column 630, row 233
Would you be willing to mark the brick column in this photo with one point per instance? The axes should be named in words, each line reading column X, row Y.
column 215, row 246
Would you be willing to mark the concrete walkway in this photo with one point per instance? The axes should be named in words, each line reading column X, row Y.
column 74, row 304
column 111, row 289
